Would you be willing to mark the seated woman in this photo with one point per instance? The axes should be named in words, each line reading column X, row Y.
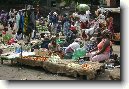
column 103, row 48
column 72, row 47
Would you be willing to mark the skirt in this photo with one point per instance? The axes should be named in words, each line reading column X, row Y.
column 100, row 57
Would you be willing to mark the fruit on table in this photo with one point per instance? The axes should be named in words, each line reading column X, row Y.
column 87, row 66
column 36, row 58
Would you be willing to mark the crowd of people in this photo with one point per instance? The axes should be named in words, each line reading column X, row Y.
column 78, row 29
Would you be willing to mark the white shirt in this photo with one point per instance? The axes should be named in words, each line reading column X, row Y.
column 73, row 46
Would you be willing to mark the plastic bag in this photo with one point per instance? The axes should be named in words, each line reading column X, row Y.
column 80, row 52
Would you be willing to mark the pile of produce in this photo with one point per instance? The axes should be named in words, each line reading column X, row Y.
column 54, row 58
column 36, row 58
column 86, row 66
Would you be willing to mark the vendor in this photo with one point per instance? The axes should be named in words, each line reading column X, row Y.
column 53, row 46
column 72, row 47
column 103, row 48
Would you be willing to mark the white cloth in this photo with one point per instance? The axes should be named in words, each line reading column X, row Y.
column 73, row 46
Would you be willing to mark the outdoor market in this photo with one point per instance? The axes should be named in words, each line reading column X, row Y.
column 78, row 44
